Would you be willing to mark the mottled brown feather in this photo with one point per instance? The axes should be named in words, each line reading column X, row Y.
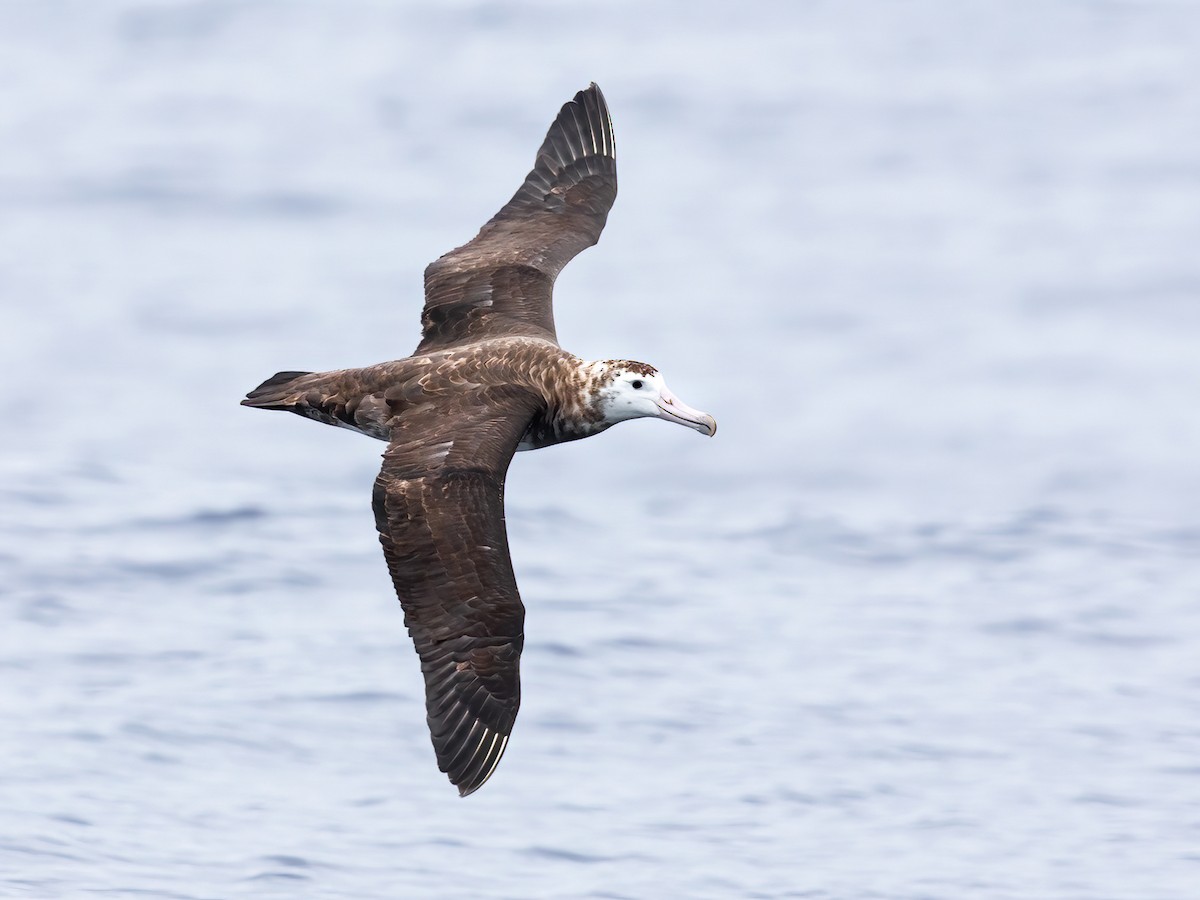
column 500, row 283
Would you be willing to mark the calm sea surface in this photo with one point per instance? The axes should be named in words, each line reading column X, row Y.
column 922, row 621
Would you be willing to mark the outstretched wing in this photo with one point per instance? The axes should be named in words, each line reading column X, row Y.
column 500, row 283
column 439, row 507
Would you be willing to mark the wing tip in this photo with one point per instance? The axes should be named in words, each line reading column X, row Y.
column 607, row 145
column 480, row 766
column 582, row 129
column 592, row 88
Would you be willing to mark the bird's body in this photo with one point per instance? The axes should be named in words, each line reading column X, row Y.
column 487, row 380
column 373, row 400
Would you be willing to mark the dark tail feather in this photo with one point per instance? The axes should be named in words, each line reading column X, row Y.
column 271, row 393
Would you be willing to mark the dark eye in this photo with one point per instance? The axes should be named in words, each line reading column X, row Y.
column 637, row 384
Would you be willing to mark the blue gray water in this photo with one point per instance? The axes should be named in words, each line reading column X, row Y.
column 922, row 621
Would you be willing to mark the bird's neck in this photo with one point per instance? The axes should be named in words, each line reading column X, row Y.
column 571, row 388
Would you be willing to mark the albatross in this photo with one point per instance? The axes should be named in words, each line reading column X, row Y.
column 487, row 379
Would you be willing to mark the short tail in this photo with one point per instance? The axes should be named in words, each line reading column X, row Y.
column 275, row 391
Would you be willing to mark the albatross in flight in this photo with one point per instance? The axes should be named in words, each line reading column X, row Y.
column 488, row 379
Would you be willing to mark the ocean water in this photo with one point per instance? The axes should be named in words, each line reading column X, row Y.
column 922, row 621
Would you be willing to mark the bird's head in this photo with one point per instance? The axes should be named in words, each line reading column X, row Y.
column 632, row 390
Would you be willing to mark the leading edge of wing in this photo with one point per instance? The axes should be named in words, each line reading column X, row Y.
column 500, row 282
column 439, row 508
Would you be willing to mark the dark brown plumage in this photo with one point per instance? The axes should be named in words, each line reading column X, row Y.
column 500, row 282
column 487, row 379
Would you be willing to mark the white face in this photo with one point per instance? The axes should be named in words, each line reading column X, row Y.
column 637, row 391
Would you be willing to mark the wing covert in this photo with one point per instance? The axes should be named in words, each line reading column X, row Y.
column 439, row 508
column 501, row 282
